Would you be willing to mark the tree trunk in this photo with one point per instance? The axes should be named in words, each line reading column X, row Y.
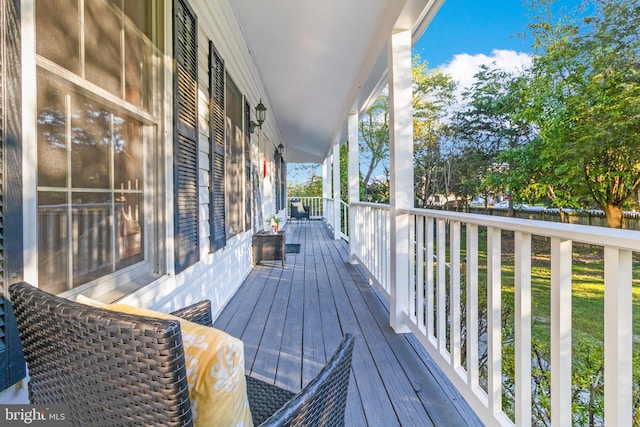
column 563, row 215
column 613, row 215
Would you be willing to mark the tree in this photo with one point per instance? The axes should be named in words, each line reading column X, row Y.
column 311, row 188
column 374, row 140
column 492, row 134
column 433, row 92
column 584, row 99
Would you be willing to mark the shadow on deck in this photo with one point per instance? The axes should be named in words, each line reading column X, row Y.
column 291, row 320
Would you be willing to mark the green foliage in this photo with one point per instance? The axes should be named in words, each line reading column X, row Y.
column 491, row 136
column 433, row 93
column 311, row 188
column 583, row 98
column 344, row 172
column 567, row 132
column 374, row 141
column 636, row 389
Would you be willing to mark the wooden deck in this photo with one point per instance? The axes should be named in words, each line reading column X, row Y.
column 291, row 320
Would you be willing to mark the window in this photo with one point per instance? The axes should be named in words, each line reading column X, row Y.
column 97, row 118
column 230, row 207
column 280, row 181
column 234, row 154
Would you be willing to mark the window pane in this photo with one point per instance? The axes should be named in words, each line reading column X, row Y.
column 136, row 69
column 138, row 52
column 53, row 242
column 58, row 32
column 91, row 144
column 91, row 231
column 52, row 140
column 140, row 14
column 130, row 237
column 127, row 154
column 103, row 55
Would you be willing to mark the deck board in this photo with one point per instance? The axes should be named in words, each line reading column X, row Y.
column 291, row 320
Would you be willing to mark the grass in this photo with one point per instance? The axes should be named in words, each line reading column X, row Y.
column 587, row 287
column 587, row 296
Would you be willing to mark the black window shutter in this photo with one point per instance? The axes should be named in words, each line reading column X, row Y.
column 217, row 200
column 283, row 184
column 277, row 160
column 247, row 167
column 12, row 365
column 185, row 155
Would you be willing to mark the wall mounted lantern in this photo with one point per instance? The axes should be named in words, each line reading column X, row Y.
column 261, row 113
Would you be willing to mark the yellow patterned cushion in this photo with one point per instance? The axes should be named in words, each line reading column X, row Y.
column 215, row 370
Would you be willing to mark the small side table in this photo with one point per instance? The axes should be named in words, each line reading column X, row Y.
column 268, row 246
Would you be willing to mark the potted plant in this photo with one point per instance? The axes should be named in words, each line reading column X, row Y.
column 274, row 222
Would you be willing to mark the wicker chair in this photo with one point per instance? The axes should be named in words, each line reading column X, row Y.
column 321, row 403
column 119, row 369
column 298, row 214
column 110, row 368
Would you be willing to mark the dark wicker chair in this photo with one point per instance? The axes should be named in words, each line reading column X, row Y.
column 321, row 403
column 112, row 369
column 298, row 214
column 117, row 369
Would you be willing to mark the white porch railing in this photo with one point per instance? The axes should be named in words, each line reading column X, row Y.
column 314, row 204
column 344, row 220
column 93, row 237
column 371, row 241
column 443, row 305
column 326, row 211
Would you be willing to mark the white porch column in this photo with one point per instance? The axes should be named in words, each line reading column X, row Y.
column 401, row 179
column 354, row 181
column 336, row 191
column 326, row 188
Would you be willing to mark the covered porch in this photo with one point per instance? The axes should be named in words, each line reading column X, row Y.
column 316, row 66
column 291, row 319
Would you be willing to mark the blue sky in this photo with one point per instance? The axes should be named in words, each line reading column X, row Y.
column 479, row 31
column 473, row 27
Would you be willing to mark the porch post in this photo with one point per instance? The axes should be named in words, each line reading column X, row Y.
column 337, row 223
column 354, row 182
column 401, row 169
column 326, row 188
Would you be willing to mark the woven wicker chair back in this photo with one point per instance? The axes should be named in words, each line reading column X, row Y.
column 110, row 368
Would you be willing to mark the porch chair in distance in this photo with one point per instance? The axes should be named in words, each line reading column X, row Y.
column 125, row 369
column 298, row 214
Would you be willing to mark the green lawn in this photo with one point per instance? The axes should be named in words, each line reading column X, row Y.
column 587, row 297
column 587, row 294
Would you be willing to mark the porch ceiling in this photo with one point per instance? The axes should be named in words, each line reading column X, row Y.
column 321, row 60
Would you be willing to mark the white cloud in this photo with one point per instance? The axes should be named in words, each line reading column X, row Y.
column 464, row 66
